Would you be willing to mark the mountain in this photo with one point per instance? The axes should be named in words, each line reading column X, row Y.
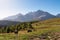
column 18, row 17
column 7, row 23
column 38, row 15
column 31, row 16
column 58, row 15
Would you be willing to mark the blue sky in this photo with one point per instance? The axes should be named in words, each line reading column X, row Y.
column 13, row 7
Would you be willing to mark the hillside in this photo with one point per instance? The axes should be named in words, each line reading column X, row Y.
column 6, row 22
column 38, row 30
column 30, row 25
column 50, row 21
column 43, row 30
column 47, row 28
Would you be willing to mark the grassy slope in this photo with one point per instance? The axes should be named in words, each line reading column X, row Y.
column 40, row 27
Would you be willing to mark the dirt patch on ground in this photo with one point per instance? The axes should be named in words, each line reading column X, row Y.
column 47, row 36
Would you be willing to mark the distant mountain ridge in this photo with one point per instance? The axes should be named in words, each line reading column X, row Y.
column 4, row 23
column 58, row 15
column 31, row 16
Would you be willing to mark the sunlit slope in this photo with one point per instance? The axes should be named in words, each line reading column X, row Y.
column 40, row 27
column 47, row 25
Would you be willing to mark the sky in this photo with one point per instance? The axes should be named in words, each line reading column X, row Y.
column 13, row 7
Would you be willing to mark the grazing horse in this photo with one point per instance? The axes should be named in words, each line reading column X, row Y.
column 29, row 31
column 16, row 31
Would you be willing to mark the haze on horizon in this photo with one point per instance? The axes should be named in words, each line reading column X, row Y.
column 13, row 7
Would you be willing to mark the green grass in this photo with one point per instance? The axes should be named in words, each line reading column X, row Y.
column 6, row 36
column 11, row 36
column 52, row 25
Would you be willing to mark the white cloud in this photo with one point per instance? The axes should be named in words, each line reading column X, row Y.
column 4, row 13
column 4, row 9
column 8, row 8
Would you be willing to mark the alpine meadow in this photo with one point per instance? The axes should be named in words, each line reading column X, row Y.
column 29, row 19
